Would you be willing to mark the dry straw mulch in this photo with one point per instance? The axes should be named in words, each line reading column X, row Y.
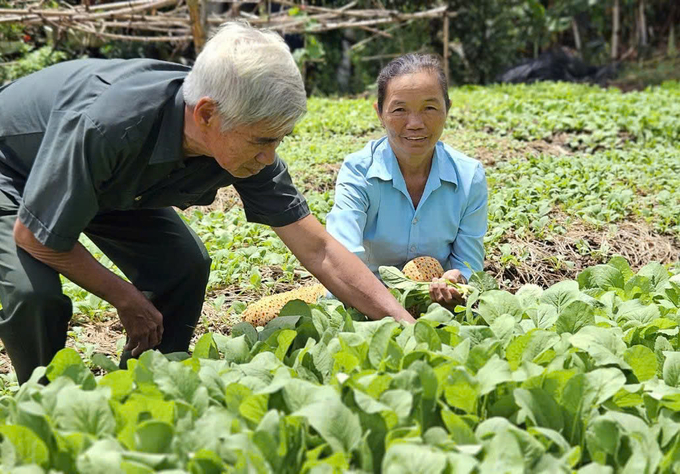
column 546, row 262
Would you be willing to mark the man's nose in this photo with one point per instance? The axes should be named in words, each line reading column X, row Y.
column 266, row 157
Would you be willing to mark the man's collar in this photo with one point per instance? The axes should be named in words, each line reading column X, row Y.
column 168, row 147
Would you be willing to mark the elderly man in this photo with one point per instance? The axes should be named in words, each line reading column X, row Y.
column 106, row 147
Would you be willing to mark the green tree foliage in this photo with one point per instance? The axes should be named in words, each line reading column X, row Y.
column 485, row 37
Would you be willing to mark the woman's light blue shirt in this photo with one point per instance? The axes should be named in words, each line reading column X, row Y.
column 373, row 215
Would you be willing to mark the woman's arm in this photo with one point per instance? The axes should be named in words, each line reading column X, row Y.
column 468, row 247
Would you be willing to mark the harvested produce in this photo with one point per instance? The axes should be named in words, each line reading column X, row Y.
column 267, row 308
column 423, row 269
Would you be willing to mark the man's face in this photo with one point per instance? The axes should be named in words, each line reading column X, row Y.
column 244, row 150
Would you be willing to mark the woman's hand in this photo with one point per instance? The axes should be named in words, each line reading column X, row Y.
column 444, row 294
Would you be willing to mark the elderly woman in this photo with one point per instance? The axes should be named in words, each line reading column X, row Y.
column 408, row 194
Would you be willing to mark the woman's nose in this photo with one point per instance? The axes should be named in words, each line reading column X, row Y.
column 415, row 121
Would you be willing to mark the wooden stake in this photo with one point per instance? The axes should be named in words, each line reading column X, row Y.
column 197, row 27
column 616, row 30
column 446, row 46
column 577, row 36
column 643, row 24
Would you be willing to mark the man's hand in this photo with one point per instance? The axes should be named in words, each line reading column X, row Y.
column 143, row 324
column 444, row 294
column 342, row 272
column 141, row 320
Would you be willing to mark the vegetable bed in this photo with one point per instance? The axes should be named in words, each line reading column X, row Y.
column 581, row 377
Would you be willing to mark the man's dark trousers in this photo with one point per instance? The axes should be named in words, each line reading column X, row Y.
column 154, row 248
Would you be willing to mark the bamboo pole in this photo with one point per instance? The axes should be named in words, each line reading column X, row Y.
column 446, row 47
column 643, row 23
column 577, row 36
column 371, row 38
column 142, row 39
column 29, row 16
column 197, row 26
column 616, row 30
column 133, row 14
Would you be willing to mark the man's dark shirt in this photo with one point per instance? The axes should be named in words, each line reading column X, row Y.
column 90, row 136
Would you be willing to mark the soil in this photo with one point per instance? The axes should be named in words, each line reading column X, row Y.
column 546, row 262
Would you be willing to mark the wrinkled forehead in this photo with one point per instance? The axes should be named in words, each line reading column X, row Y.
column 421, row 85
column 263, row 132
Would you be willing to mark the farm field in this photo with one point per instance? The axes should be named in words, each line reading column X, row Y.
column 566, row 357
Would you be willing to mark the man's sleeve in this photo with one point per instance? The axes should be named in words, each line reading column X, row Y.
column 60, row 197
column 347, row 220
column 270, row 198
column 468, row 248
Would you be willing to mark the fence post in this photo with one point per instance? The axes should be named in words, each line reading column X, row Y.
column 446, row 46
column 197, row 24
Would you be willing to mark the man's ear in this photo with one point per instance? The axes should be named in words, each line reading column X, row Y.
column 205, row 112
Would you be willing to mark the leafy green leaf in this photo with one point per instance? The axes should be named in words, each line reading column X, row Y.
column 245, row 329
column 561, row 294
column 408, row 458
column 377, row 348
column 605, row 346
column 206, row 348
column 656, row 273
column 67, row 362
column 154, row 436
column 84, row 411
column 494, row 372
column 671, row 369
column 235, row 348
column 540, row 408
column 30, row 449
column 459, row 430
column 103, row 362
column 603, row 277
column 528, row 347
column 574, row 316
column 586, row 391
column 495, row 303
column 336, row 423
column 642, row 360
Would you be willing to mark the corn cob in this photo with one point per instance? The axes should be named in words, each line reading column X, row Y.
column 423, row 269
column 264, row 310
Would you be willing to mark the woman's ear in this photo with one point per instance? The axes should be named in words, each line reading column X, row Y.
column 377, row 112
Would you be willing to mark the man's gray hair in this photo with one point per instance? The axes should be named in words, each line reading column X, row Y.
column 251, row 76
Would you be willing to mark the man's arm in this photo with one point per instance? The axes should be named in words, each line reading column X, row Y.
column 142, row 321
column 342, row 272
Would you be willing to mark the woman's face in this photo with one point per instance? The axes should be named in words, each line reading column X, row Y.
column 414, row 114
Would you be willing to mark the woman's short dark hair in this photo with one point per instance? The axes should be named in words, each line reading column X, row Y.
column 409, row 64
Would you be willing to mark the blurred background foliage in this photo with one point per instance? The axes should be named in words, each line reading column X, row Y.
column 485, row 38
